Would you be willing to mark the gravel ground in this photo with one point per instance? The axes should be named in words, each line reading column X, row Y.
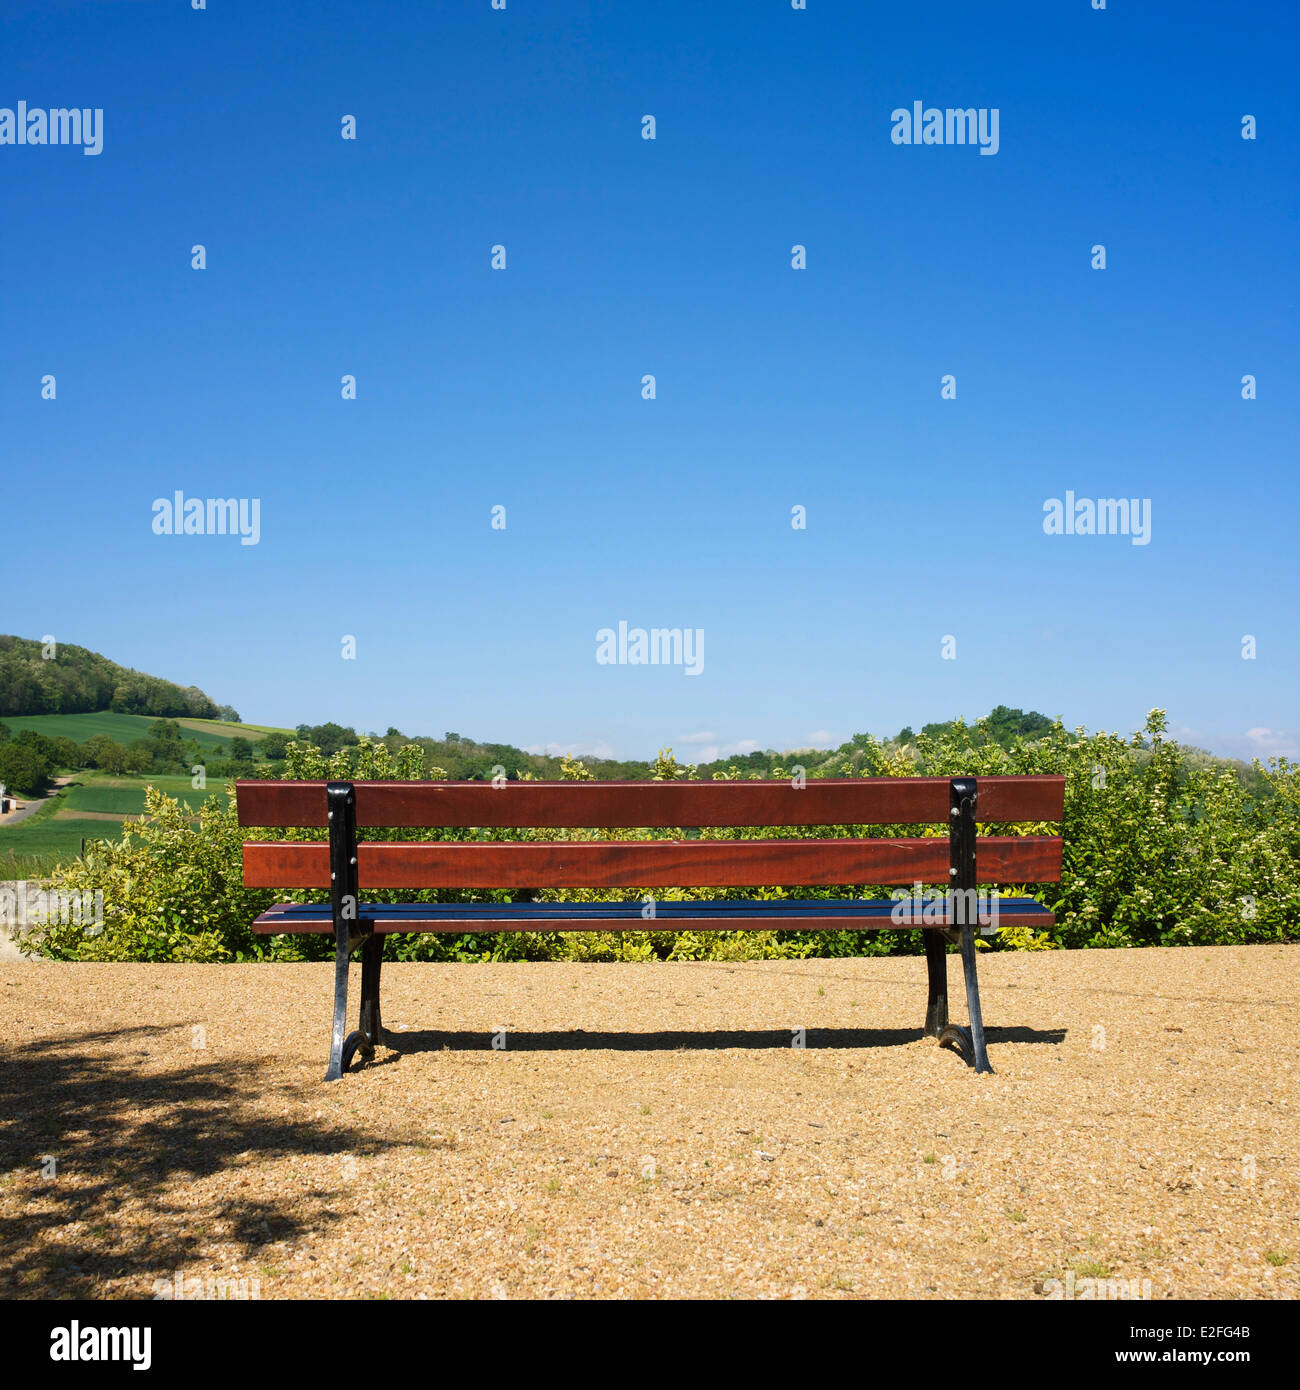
column 648, row 1131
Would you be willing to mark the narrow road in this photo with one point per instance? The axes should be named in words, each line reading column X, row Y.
column 35, row 804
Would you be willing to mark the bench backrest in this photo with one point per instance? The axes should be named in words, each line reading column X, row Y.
column 692, row 863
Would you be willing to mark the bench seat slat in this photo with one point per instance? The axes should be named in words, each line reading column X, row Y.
column 664, row 805
column 785, row 914
column 653, row 863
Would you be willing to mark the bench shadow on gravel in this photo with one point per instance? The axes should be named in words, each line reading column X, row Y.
column 672, row 1040
column 122, row 1135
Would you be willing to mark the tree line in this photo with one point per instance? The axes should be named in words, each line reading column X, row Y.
column 29, row 760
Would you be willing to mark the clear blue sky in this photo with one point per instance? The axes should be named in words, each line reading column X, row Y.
column 776, row 387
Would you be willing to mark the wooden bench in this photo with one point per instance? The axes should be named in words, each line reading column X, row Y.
column 345, row 866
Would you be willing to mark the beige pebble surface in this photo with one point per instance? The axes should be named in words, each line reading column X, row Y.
column 649, row 1131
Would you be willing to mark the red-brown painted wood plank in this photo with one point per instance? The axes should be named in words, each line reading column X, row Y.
column 565, row 805
column 659, row 864
column 1029, row 798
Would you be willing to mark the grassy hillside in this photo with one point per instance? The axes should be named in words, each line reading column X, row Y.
column 126, row 727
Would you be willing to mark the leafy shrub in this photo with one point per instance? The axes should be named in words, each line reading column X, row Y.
column 1157, row 852
column 172, row 890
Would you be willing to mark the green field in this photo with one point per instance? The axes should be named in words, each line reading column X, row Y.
column 127, row 727
column 224, row 730
column 36, row 846
column 125, row 795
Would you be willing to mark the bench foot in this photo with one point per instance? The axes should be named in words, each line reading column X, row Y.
column 354, row 1041
column 959, row 1039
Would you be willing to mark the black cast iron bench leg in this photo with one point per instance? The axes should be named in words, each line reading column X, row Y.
column 951, row 1035
column 969, row 1042
column 344, row 1045
column 936, row 964
column 979, row 1051
column 372, row 957
column 350, row 931
column 342, row 959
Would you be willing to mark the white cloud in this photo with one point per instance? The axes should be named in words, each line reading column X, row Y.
column 599, row 749
column 1273, row 743
column 710, row 753
column 698, row 738
column 1259, row 742
column 822, row 738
